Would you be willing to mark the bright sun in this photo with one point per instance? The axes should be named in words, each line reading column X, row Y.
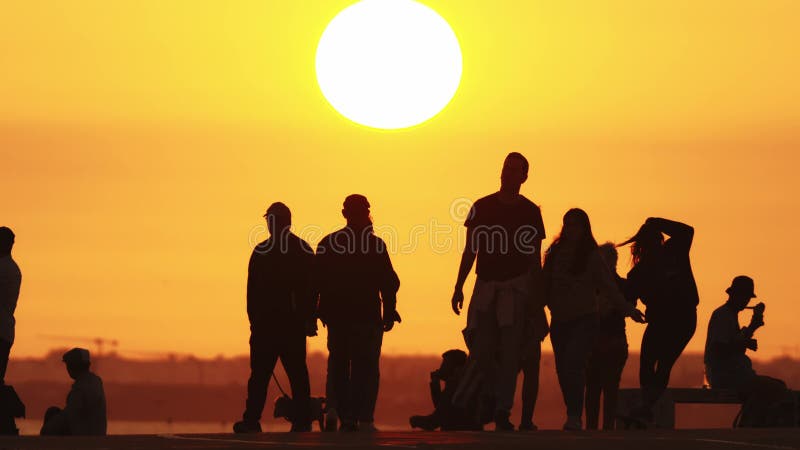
column 388, row 63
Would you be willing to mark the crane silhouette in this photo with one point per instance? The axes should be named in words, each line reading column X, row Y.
column 99, row 342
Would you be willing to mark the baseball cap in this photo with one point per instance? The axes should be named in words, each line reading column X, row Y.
column 76, row 355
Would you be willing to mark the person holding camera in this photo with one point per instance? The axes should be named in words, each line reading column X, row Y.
column 726, row 361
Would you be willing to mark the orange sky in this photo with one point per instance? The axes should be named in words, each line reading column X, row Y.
column 142, row 140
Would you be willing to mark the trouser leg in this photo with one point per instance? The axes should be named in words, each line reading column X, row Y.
column 574, row 343
column 263, row 356
column 293, row 359
column 648, row 356
column 508, row 367
column 671, row 338
column 594, row 376
column 761, row 394
column 617, row 358
column 5, row 351
column 530, row 382
column 337, row 386
column 366, row 373
column 484, row 350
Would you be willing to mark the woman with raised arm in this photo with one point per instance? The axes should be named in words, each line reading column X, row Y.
column 662, row 279
column 574, row 274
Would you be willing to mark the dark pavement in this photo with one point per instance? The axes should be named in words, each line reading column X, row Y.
column 634, row 440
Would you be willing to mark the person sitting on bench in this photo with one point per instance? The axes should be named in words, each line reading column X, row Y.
column 727, row 365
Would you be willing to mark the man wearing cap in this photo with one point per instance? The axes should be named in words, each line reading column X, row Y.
column 10, row 281
column 354, row 278
column 727, row 365
column 85, row 412
column 280, row 307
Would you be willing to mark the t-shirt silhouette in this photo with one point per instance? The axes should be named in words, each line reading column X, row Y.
column 504, row 236
column 725, row 368
column 278, row 283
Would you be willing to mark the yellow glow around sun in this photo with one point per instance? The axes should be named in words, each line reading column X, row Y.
column 388, row 63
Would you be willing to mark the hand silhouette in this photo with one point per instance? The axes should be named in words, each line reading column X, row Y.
column 458, row 301
column 757, row 321
column 311, row 328
column 389, row 319
column 638, row 316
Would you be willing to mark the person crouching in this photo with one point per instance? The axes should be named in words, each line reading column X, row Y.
column 85, row 411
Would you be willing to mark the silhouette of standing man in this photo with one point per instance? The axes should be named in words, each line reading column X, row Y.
column 354, row 276
column 10, row 281
column 504, row 232
column 280, row 306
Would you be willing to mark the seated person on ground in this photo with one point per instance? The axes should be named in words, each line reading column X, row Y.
column 448, row 415
column 85, row 412
column 727, row 365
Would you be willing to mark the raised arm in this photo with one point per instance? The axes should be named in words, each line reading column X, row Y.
column 680, row 232
column 734, row 344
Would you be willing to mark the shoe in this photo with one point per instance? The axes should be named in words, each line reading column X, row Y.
column 301, row 427
column 501, row 422
column 573, row 423
column 642, row 413
column 331, row 420
column 244, row 426
column 368, row 427
column 528, row 426
column 348, row 426
column 426, row 423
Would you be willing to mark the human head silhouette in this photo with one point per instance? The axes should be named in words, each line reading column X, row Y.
column 741, row 291
column 6, row 241
column 279, row 219
column 356, row 211
column 515, row 172
column 647, row 242
column 576, row 225
column 608, row 252
column 77, row 361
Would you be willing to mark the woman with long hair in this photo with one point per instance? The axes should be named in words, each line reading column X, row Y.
column 661, row 277
column 574, row 273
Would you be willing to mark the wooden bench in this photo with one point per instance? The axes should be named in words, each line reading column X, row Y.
column 664, row 410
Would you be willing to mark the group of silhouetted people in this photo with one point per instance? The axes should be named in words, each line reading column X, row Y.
column 348, row 283
column 85, row 410
column 350, row 286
